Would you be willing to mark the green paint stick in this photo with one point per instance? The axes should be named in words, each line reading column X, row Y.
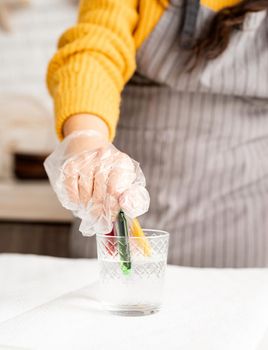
column 123, row 242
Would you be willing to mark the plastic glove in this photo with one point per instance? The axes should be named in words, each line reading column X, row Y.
column 93, row 179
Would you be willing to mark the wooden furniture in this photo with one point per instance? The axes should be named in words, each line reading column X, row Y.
column 32, row 220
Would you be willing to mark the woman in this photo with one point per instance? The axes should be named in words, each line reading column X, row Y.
column 194, row 114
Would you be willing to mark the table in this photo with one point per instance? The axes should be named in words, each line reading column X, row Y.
column 51, row 303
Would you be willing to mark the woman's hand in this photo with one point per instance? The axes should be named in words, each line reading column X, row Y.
column 94, row 180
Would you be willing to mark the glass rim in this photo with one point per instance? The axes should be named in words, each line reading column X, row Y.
column 161, row 234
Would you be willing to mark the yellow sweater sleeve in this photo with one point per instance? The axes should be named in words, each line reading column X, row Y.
column 94, row 61
column 96, row 57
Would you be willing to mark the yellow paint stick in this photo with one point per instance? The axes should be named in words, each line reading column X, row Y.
column 142, row 240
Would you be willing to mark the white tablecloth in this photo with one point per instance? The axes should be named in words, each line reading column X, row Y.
column 50, row 303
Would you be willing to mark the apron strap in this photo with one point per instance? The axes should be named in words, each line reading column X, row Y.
column 190, row 14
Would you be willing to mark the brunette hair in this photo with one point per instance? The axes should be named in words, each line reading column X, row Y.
column 217, row 36
column 225, row 22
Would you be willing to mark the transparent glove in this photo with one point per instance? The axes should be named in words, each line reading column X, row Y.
column 93, row 179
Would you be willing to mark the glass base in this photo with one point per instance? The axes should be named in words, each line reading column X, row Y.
column 132, row 310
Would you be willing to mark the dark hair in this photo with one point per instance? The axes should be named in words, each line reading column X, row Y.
column 225, row 22
column 217, row 36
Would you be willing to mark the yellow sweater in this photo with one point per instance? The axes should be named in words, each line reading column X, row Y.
column 96, row 57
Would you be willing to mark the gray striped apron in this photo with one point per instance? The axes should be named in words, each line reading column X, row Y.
column 202, row 141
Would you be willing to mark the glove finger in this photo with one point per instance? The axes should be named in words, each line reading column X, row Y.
column 122, row 174
column 119, row 176
column 85, row 188
column 99, row 187
column 105, row 205
column 85, row 179
column 114, row 207
column 70, row 182
column 119, row 181
column 135, row 201
column 89, row 228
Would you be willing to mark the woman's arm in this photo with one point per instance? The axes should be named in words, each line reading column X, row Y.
column 94, row 61
column 83, row 122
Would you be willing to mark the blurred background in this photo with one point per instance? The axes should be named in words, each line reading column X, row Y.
column 31, row 219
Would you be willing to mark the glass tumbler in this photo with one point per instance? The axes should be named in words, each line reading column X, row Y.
column 137, row 290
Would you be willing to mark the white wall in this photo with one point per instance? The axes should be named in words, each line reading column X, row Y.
column 26, row 112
